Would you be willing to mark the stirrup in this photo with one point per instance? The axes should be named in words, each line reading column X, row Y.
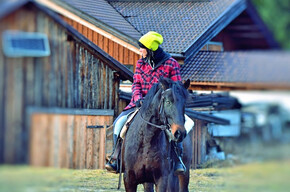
column 180, row 170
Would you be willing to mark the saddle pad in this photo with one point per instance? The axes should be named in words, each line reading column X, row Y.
column 129, row 119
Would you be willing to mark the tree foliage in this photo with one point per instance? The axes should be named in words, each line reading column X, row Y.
column 276, row 15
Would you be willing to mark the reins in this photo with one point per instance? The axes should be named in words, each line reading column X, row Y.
column 161, row 111
column 162, row 127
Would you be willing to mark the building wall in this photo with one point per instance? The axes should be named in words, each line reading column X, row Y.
column 71, row 77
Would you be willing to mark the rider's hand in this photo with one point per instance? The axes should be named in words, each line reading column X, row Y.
column 139, row 103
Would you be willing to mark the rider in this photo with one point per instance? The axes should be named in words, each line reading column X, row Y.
column 155, row 63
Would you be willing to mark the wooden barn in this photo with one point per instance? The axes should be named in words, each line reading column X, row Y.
column 195, row 33
column 211, row 39
column 58, row 90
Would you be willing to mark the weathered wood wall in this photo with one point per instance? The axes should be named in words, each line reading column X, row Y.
column 71, row 77
column 117, row 51
column 199, row 143
column 64, row 141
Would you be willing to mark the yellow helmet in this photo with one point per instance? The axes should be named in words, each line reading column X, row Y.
column 151, row 40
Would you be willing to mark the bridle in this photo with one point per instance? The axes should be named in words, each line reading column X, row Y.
column 165, row 125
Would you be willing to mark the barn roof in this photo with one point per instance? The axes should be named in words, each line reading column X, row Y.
column 124, row 72
column 102, row 14
column 185, row 25
column 241, row 69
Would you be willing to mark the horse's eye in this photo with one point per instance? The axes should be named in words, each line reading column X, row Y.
column 167, row 102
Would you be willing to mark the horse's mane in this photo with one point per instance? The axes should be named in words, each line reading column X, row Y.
column 157, row 89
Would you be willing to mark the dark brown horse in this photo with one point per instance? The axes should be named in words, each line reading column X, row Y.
column 147, row 154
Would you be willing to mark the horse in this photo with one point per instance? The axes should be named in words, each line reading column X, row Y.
column 147, row 156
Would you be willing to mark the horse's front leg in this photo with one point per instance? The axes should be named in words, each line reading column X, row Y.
column 129, row 182
column 161, row 184
column 183, row 182
column 148, row 187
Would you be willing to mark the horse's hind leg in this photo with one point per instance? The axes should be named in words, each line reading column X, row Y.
column 148, row 187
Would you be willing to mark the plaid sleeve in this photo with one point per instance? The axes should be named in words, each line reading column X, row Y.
column 136, row 86
column 174, row 71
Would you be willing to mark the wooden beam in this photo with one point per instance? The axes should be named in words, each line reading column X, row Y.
column 237, row 86
column 70, row 111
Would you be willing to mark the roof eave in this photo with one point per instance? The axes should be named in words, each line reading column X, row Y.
column 220, row 23
column 97, row 23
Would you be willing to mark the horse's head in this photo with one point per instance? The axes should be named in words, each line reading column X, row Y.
column 172, row 106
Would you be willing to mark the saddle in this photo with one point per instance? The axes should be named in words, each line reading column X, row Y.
column 116, row 153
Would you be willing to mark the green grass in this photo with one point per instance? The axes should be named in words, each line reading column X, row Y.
column 267, row 176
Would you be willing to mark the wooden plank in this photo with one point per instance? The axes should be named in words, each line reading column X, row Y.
column 90, row 35
column 111, row 48
column 75, row 24
column 64, row 73
column 102, row 145
column 89, row 146
column 63, row 141
column 43, row 26
column 101, row 41
column 85, row 31
column 96, row 146
column 131, row 58
column 75, row 74
column 85, row 80
column 89, row 81
column 95, row 38
column 83, row 142
column 95, row 91
column 106, row 87
column 115, row 51
column 121, row 54
column 77, row 143
column 101, row 85
column 80, row 73
column 203, row 142
column 70, row 111
column 70, row 143
column 53, row 68
column 9, row 105
column 39, row 140
column 70, row 75
column 79, row 27
column 110, row 85
column 18, row 111
column 107, row 45
column 56, row 141
column 126, row 56
column 58, row 67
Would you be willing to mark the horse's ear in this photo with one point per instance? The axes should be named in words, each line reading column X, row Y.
column 186, row 84
column 164, row 83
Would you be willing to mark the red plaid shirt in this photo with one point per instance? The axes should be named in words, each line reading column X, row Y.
column 145, row 77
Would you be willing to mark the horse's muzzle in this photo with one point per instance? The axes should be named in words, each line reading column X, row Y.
column 179, row 132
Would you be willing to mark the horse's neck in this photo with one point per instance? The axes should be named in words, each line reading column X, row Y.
column 150, row 132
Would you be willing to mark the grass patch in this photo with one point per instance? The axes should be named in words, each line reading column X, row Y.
column 266, row 176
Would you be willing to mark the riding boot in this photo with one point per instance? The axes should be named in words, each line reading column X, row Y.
column 179, row 167
column 112, row 165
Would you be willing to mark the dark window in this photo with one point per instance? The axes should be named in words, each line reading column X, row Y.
column 25, row 44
